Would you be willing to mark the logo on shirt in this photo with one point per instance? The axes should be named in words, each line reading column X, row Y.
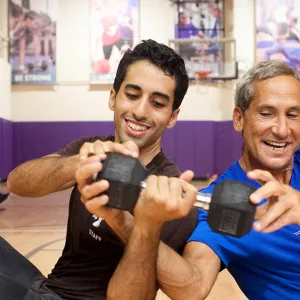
column 297, row 233
column 94, row 235
column 97, row 222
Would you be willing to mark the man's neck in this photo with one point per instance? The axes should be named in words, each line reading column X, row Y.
column 147, row 154
column 283, row 176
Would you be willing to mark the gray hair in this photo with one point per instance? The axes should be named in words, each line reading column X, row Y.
column 262, row 70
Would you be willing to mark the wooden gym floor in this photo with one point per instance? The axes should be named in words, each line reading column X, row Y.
column 37, row 227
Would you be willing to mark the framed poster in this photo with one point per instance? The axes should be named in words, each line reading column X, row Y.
column 32, row 33
column 278, row 31
column 114, row 28
column 199, row 26
column 194, row 19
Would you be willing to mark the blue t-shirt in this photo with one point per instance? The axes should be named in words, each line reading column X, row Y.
column 265, row 266
column 297, row 157
column 186, row 32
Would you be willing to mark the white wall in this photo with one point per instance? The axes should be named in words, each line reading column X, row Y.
column 5, row 90
column 72, row 98
column 3, row 28
column 244, row 32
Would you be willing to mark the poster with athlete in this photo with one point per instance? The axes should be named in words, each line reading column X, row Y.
column 32, row 33
column 278, row 31
column 113, row 29
column 204, row 20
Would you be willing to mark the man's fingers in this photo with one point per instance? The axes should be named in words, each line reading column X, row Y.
column 260, row 175
column 133, row 147
column 273, row 212
column 101, row 148
column 187, row 175
column 94, row 205
column 271, row 188
column 92, row 159
column 84, row 173
column 94, row 189
column 282, row 221
column 128, row 148
column 163, row 188
column 86, row 150
column 190, row 194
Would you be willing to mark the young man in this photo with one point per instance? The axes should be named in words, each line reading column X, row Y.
column 265, row 266
column 150, row 84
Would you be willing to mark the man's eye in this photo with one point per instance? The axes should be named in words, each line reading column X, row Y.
column 266, row 114
column 158, row 104
column 132, row 96
column 292, row 115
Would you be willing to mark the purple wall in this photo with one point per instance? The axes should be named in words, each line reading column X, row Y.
column 206, row 147
column 6, row 148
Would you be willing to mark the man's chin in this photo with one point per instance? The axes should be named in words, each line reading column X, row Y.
column 277, row 165
column 138, row 141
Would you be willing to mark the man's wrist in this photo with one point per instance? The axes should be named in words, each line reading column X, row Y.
column 148, row 227
column 121, row 224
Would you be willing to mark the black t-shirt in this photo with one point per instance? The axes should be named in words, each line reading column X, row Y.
column 92, row 250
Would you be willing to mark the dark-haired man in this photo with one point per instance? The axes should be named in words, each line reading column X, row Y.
column 150, row 84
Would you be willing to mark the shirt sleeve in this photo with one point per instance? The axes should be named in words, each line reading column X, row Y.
column 297, row 157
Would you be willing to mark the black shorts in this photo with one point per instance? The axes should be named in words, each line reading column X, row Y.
column 19, row 278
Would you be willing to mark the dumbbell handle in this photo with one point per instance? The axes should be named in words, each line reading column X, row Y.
column 202, row 200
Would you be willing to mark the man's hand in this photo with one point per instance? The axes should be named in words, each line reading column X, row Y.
column 99, row 147
column 91, row 156
column 163, row 200
column 282, row 207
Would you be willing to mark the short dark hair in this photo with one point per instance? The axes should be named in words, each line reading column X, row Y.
column 160, row 56
column 15, row 10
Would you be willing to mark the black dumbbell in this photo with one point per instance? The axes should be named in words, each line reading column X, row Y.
column 229, row 210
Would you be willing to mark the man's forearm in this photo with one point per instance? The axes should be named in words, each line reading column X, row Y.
column 122, row 225
column 174, row 275
column 42, row 176
column 177, row 277
column 135, row 276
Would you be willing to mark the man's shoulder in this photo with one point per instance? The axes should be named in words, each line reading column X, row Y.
column 234, row 172
column 297, row 157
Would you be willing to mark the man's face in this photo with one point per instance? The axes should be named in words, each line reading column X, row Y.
column 182, row 19
column 271, row 124
column 143, row 106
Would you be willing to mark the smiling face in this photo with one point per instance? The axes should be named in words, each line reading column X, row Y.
column 143, row 106
column 271, row 124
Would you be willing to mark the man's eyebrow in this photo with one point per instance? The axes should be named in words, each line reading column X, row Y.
column 138, row 88
column 133, row 86
column 165, row 96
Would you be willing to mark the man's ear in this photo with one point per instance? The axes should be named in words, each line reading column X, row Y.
column 173, row 118
column 112, row 99
column 238, row 119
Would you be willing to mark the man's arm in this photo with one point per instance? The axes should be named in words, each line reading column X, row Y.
column 137, row 268
column 43, row 176
column 191, row 277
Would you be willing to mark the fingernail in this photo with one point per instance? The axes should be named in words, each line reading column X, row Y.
column 255, row 198
column 135, row 154
column 251, row 174
column 257, row 226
